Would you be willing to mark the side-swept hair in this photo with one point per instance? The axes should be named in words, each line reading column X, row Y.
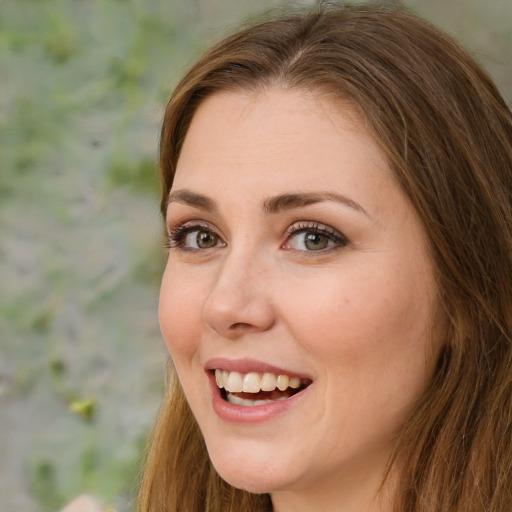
column 447, row 134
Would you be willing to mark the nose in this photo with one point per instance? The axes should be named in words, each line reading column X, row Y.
column 239, row 300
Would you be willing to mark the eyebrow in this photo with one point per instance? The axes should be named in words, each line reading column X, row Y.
column 273, row 205
column 193, row 199
column 297, row 200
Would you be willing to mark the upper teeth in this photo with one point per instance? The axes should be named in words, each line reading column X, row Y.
column 253, row 382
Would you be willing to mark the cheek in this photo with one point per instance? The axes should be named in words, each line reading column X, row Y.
column 376, row 324
column 179, row 313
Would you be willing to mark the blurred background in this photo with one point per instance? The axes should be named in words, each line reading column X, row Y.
column 83, row 85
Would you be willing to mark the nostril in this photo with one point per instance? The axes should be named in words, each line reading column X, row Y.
column 241, row 325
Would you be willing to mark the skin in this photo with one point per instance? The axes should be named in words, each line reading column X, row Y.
column 355, row 317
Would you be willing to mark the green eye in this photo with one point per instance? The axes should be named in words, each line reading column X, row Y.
column 205, row 239
column 313, row 237
column 193, row 237
column 315, row 241
column 310, row 241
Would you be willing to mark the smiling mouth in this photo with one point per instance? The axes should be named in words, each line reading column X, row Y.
column 253, row 388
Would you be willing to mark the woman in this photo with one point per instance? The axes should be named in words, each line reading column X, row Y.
column 337, row 299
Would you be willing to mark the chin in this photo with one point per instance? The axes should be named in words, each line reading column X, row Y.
column 252, row 473
column 260, row 482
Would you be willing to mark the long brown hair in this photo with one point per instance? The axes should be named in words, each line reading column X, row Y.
column 447, row 134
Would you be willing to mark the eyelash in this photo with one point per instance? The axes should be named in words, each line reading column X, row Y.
column 176, row 235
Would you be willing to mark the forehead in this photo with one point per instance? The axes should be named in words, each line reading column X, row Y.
column 267, row 112
column 273, row 141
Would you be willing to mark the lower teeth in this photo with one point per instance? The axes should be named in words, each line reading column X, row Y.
column 236, row 400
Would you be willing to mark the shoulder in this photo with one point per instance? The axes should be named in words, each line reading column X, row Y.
column 83, row 503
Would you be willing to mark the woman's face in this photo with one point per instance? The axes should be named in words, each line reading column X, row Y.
column 296, row 262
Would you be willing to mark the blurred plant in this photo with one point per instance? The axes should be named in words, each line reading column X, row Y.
column 86, row 409
column 61, row 40
column 140, row 176
column 43, row 485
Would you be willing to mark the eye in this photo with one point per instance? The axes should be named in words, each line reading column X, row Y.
column 311, row 241
column 313, row 237
column 201, row 239
column 194, row 237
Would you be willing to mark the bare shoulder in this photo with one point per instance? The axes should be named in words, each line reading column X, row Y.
column 83, row 503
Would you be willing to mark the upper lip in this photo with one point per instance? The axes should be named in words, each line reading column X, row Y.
column 250, row 365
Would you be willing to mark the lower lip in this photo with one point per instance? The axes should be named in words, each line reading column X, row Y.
column 246, row 414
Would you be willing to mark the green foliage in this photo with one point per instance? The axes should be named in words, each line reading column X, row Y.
column 57, row 368
column 150, row 269
column 44, row 487
column 41, row 322
column 86, row 409
column 140, row 176
column 60, row 42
